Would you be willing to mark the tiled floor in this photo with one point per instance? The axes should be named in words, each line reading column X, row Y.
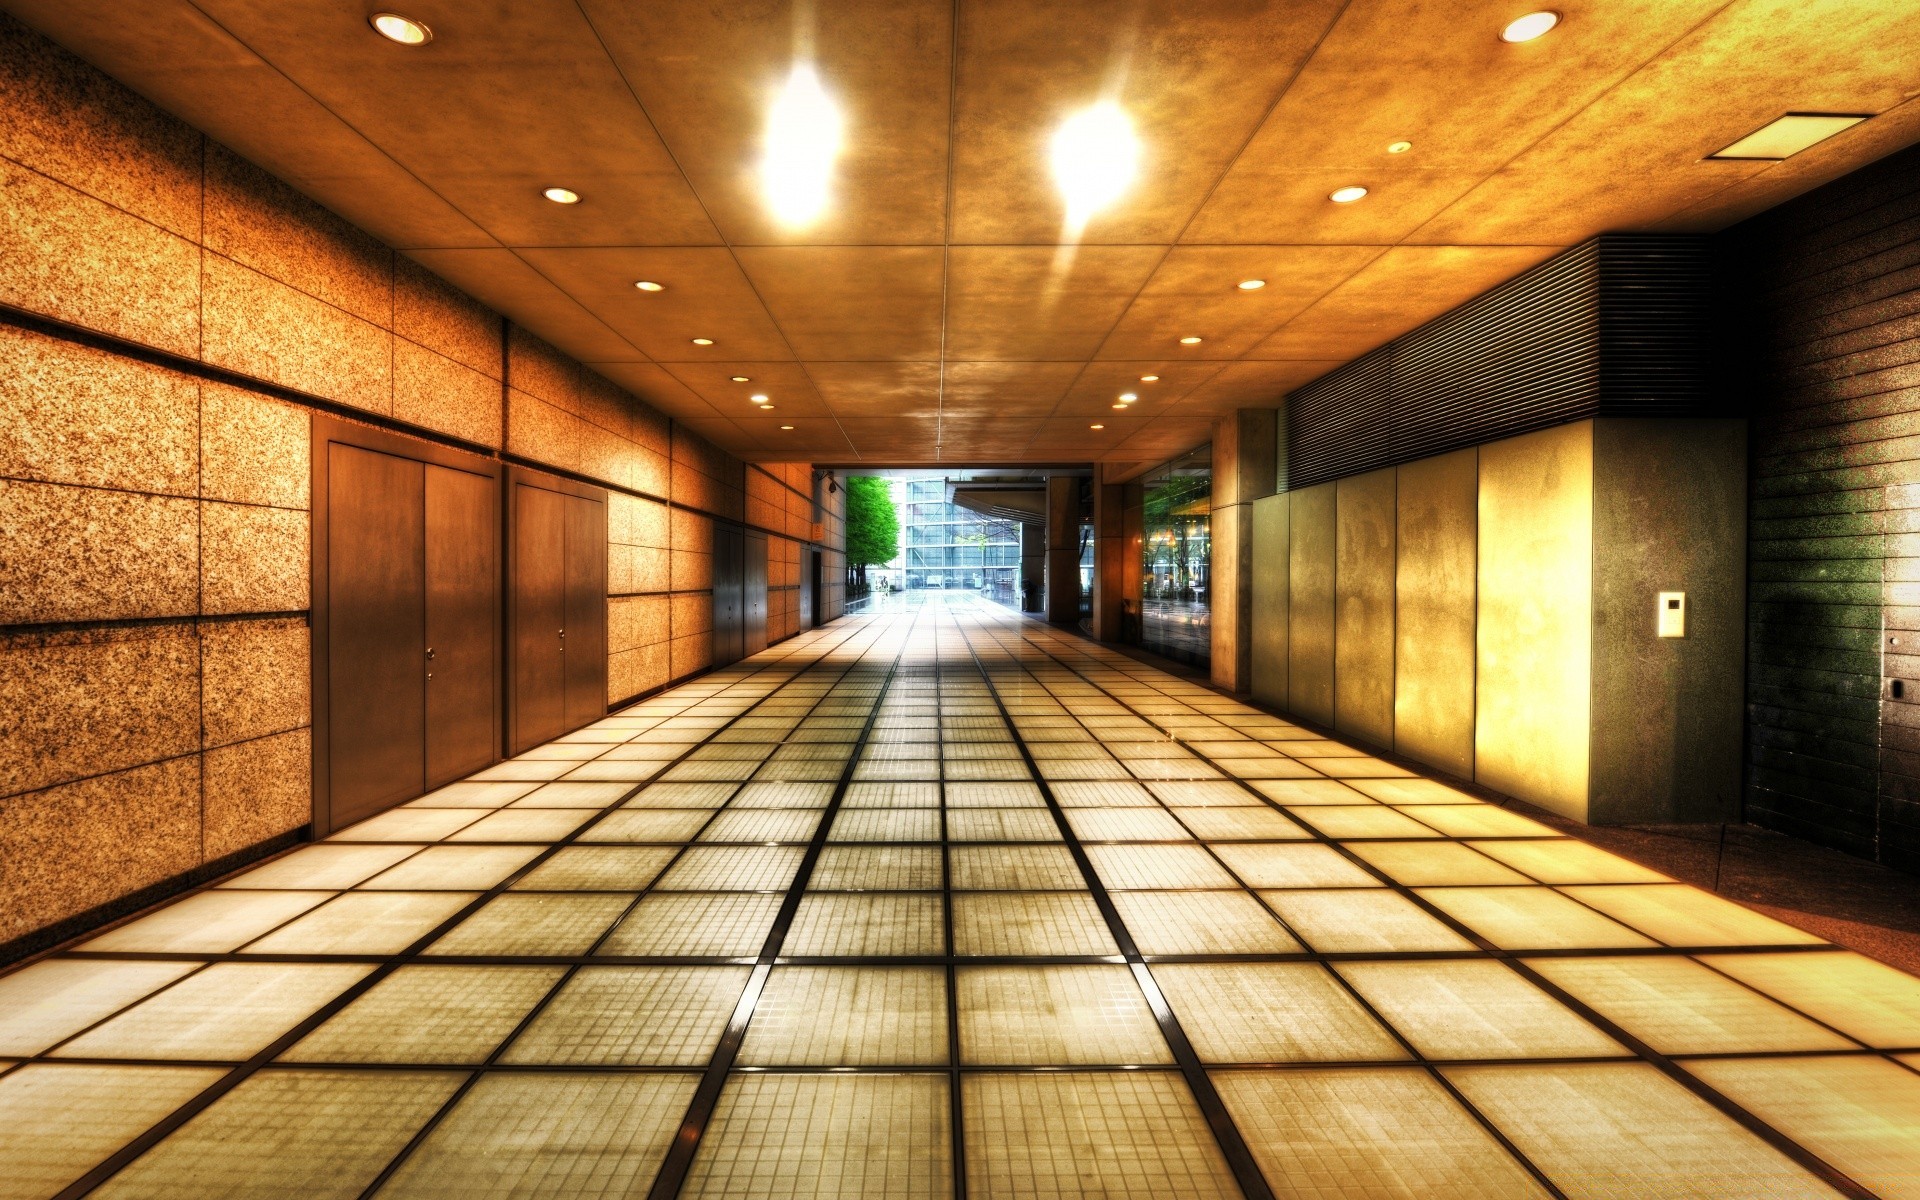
column 938, row 903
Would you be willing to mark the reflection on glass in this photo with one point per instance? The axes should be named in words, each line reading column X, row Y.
column 1176, row 557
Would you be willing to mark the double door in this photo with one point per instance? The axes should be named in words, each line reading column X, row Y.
column 739, row 593
column 557, row 607
column 407, row 581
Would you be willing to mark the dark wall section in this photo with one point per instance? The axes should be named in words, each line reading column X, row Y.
column 1824, row 296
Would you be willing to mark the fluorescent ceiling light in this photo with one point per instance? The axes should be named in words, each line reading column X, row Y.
column 1148, row 378
column 1347, row 195
column 703, row 341
column 648, row 285
column 1529, row 27
column 396, row 28
column 803, row 139
column 1252, row 285
column 561, row 196
column 1789, row 135
column 1096, row 427
column 1095, row 159
column 786, row 427
column 740, row 379
column 1189, row 341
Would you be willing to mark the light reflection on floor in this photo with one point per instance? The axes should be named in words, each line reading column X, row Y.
column 936, row 901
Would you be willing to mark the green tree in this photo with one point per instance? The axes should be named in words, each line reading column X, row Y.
column 873, row 526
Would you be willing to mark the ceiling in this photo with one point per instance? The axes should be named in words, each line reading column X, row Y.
column 933, row 314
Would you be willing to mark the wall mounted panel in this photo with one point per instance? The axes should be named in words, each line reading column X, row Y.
column 1438, row 552
column 1363, row 645
column 1270, row 621
column 1310, row 604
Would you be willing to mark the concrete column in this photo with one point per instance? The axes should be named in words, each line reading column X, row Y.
column 1063, row 550
column 1109, row 557
column 1033, row 568
column 1245, row 456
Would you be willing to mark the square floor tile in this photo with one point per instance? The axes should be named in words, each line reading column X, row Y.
column 848, row 1017
column 1369, row 1134
column 592, row 795
column 56, row 998
column 1532, row 918
column 1479, row 820
column 475, row 794
column 1307, row 791
column 429, row 1015
column 763, row 825
column 523, row 825
column 1067, row 1015
column 228, row 1012
column 1434, row 863
column 883, row 923
column 364, row 923
column 725, row 924
column 1573, row 1121
column 1147, row 867
column 1272, row 1012
column 886, row 825
column 683, row 796
column 1361, row 821
column 827, row 1135
column 877, row 868
column 1861, row 998
column 552, row 923
column 1292, row 865
column 1014, row 868
column 1562, row 860
column 551, row 1136
column 1223, row 922
column 1127, row 825
column 891, row 795
column 1240, row 824
column 329, row 866
column 1135, row 1135
column 1121, row 794
column 646, row 825
column 210, row 922
column 1363, row 920
column 442, row 868
column 1474, row 1010
column 410, row 825
column 1029, row 924
column 633, row 1016
column 597, row 868
column 1684, row 916
column 58, row 1120
column 1678, row 1006
column 1001, row 825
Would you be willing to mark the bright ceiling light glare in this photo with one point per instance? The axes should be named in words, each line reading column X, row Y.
column 703, row 341
column 741, row 379
column 1251, row 285
column 561, row 196
column 404, row 30
column 803, row 139
column 1399, row 147
column 1347, row 195
column 1129, row 397
column 1121, row 407
column 1788, row 136
column 786, row 427
column 758, row 398
column 648, row 285
column 1096, row 427
column 1095, row 159
column 1189, row 341
column 1149, row 378
column 1531, row 26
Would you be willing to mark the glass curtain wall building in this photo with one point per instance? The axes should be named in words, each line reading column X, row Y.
column 1176, row 553
column 944, row 546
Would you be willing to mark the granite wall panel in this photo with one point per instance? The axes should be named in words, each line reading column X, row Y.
column 255, row 790
column 88, row 554
column 439, row 393
column 265, row 329
column 75, row 414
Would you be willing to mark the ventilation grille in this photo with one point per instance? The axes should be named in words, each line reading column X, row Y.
column 1613, row 327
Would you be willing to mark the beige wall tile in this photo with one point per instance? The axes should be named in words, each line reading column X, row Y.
column 67, row 120
column 86, row 554
column 261, row 327
column 255, row 219
column 80, row 703
column 650, row 428
column 73, row 414
column 254, row 678
column 634, row 671
column 690, row 654
column 539, row 370
column 651, row 615
column 435, row 392
column 541, row 432
column 257, row 790
column 254, row 449
column 652, row 524
column 621, row 632
column 68, row 256
column 432, row 312
column 691, row 531
column 143, row 825
column 254, row 560
column 650, row 471
column 692, row 613
column 619, row 569
column 652, row 571
column 605, row 403
column 691, row 572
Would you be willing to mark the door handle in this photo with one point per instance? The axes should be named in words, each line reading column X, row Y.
column 429, row 651
column 563, row 633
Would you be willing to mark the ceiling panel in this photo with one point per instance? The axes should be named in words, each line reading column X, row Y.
column 837, row 303
column 937, row 309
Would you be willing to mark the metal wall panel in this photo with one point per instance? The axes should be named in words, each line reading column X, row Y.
column 1269, row 608
column 1363, row 644
column 1438, row 551
column 1534, row 654
column 1310, row 603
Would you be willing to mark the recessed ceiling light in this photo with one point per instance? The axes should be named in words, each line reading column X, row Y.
column 562, row 196
column 1121, row 407
column 1095, row 159
column 396, row 28
column 766, row 408
column 1252, row 285
column 786, row 427
column 648, row 285
column 741, row 379
column 1148, row 378
column 1531, row 26
column 703, row 341
column 1399, row 147
column 803, row 140
column 1189, row 341
column 1129, row 397
column 757, row 398
column 1096, row 427
column 1347, row 195
column 1789, row 135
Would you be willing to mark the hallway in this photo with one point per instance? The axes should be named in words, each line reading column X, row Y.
column 942, row 903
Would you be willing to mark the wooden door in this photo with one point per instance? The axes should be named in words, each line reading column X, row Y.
column 586, row 611
column 754, row 587
column 729, row 607
column 539, row 600
column 462, row 557
column 375, row 596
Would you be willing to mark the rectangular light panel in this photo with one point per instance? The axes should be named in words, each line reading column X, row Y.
column 1790, row 135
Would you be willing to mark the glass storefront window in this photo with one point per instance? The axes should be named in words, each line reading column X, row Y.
column 1176, row 557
